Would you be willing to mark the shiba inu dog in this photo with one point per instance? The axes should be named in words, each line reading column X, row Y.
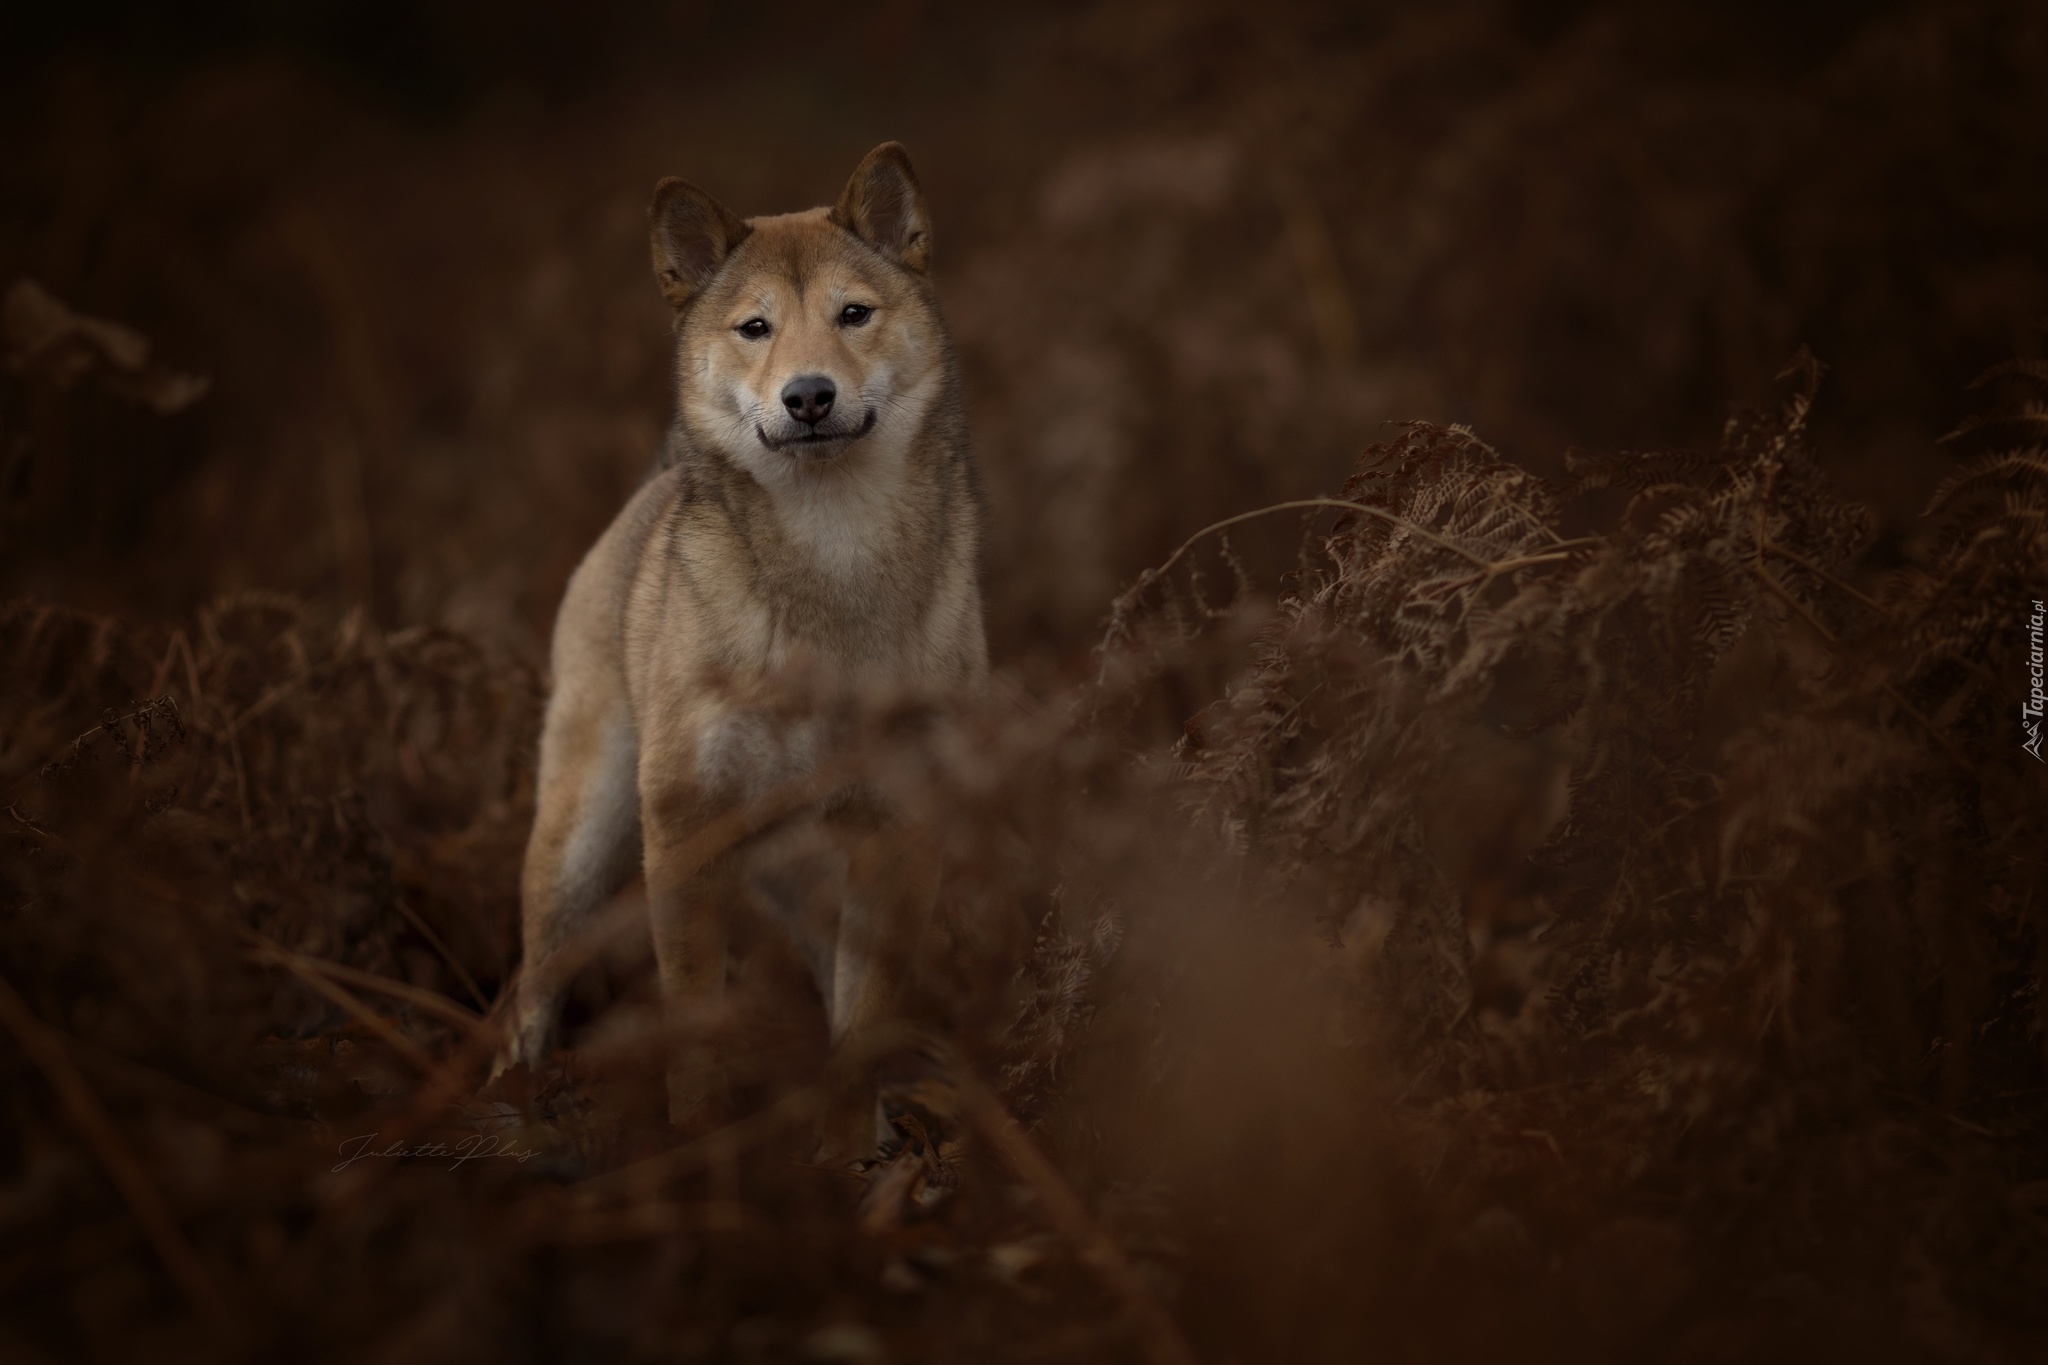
column 818, row 518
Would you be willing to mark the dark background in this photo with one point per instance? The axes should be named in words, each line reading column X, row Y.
column 1197, row 256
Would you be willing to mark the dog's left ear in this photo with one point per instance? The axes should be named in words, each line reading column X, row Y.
column 883, row 206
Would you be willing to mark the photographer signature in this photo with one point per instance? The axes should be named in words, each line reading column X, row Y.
column 475, row 1147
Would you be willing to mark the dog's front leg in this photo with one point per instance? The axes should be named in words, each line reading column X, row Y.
column 697, row 766
column 685, row 903
column 893, row 887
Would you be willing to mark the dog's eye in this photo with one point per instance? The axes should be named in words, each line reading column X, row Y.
column 753, row 329
column 855, row 315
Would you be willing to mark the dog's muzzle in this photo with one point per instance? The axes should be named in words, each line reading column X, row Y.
column 821, row 440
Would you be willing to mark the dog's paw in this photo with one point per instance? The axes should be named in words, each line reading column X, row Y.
column 915, row 1174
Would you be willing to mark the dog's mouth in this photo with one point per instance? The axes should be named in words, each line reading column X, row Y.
column 819, row 443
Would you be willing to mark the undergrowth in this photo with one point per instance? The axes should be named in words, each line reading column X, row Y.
column 1598, row 920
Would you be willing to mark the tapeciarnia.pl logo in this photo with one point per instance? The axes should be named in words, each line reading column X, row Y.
column 2031, row 708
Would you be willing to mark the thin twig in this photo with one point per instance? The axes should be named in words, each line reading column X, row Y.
column 183, row 644
column 1786, row 552
column 1150, row 575
column 241, row 780
column 433, row 1002
column 1158, row 1333
column 127, row 1072
column 1815, row 622
column 646, row 1176
column 1322, row 271
column 163, row 670
column 852, row 1059
column 1495, row 570
column 639, row 1222
column 1803, row 562
column 47, row 1051
column 414, row 918
column 348, row 1001
column 280, row 691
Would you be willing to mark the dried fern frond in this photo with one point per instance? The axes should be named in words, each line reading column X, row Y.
column 1679, row 799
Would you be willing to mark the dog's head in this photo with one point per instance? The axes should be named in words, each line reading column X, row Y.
column 808, row 338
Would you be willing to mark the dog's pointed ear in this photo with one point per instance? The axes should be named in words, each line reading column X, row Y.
column 692, row 234
column 883, row 206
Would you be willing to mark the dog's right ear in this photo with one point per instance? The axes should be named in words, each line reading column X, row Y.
column 692, row 234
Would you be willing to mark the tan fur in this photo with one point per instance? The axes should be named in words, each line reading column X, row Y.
column 849, row 558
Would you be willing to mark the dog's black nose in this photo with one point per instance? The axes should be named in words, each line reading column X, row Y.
column 809, row 398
